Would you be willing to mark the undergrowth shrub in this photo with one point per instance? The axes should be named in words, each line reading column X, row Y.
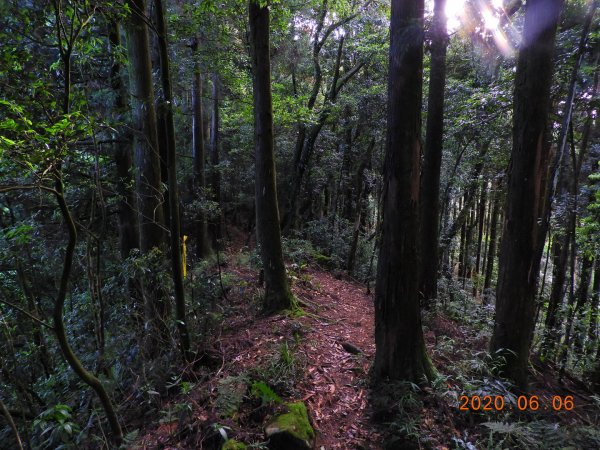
column 539, row 434
column 397, row 406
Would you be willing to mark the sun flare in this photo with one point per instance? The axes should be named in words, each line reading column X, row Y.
column 455, row 9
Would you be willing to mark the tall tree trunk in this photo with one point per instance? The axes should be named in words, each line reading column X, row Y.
column 493, row 239
column 481, row 224
column 203, row 247
column 361, row 206
column 486, row 233
column 524, row 233
column 432, row 161
column 462, row 250
column 595, row 378
column 277, row 292
column 467, row 262
column 582, row 295
column 129, row 232
column 469, row 199
column 400, row 346
column 147, row 163
column 560, row 258
column 171, row 153
column 216, row 223
column 146, row 141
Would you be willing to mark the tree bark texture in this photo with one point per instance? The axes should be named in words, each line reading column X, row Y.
column 524, row 228
column 493, row 240
column 147, row 160
column 595, row 300
column 432, row 161
column 400, row 347
column 277, row 292
column 171, row 154
column 129, row 233
column 148, row 167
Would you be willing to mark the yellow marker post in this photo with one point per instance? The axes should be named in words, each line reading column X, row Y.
column 184, row 256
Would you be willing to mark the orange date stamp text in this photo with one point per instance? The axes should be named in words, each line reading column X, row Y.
column 523, row 403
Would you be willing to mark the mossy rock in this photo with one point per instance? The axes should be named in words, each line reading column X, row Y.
column 292, row 430
column 232, row 444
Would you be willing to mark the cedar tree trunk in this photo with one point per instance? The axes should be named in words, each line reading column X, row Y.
column 268, row 235
column 524, row 228
column 400, row 346
column 430, row 178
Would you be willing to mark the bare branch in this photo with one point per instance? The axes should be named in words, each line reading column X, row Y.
column 27, row 313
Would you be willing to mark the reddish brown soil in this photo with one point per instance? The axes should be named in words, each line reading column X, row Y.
column 331, row 381
column 336, row 385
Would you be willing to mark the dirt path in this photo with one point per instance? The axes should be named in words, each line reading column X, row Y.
column 333, row 347
column 335, row 381
column 336, row 385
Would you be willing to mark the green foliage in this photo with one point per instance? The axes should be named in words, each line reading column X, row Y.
column 19, row 234
column 179, row 412
column 398, row 406
column 262, row 391
column 231, row 392
column 540, row 435
column 589, row 231
column 282, row 370
column 55, row 425
column 232, row 444
column 299, row 251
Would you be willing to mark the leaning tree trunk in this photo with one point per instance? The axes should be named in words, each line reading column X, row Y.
column 59, row 326
column 277, row 292
column 560, row 258
column 65, row 278
column 307, row 135
column 524, row 228
column 11, row 423
column 400, row 346
column 432, row 161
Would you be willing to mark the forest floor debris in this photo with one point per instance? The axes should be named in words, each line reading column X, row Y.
column 322, row 355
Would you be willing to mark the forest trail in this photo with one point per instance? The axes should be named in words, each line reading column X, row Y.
column 335, row 346
column 336, row 386
column 321, row 356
